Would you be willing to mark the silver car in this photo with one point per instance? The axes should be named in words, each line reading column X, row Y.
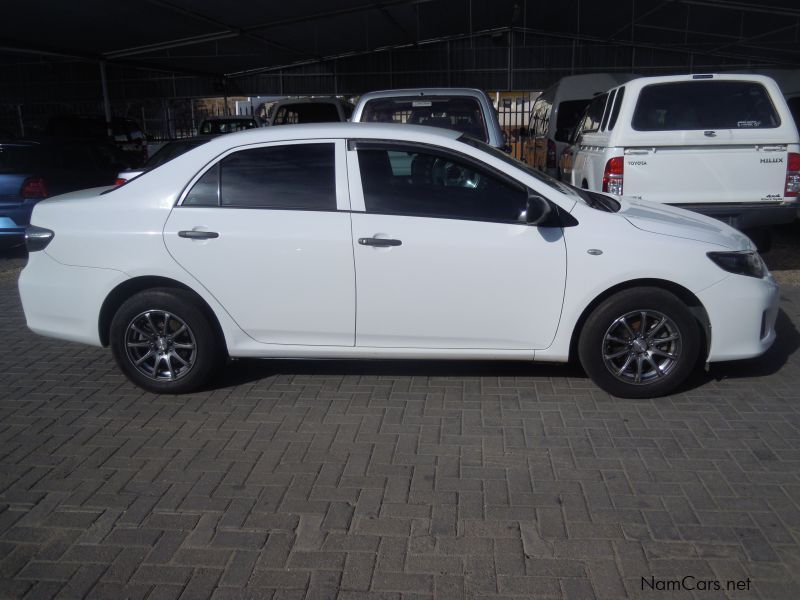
column 462, row 109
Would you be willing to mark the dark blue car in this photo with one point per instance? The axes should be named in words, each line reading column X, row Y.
column 33, row 170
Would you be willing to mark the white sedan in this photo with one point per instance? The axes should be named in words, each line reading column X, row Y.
column 387, row 241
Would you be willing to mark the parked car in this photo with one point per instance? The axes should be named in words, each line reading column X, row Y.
column 722, row 145
column 292, row 111
column 260, row 243
column 127, row 134
column 31, row 171
column 163, row 155
column 213, row 126
column 555, row 114
column 566, row 160
column 460, row 109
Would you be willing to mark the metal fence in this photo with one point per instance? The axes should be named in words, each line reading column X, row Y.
column 513, row 112
column 180, row 118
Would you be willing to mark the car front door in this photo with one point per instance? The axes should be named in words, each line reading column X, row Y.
column 266, row 230
column 442, row 259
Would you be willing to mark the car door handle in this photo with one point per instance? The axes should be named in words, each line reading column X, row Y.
column 193, row 234
column 380, row 242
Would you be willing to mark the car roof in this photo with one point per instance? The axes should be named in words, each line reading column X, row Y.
column 641, row 82
column 335, row 130
column 26, row 143
column 470, row 92
column 308, row 100
column 229, row 118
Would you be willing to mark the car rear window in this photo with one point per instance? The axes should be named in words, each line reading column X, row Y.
column 311, row 112
column 169, row 151
column 226, row 125
column 688, row 105
column 460, row 113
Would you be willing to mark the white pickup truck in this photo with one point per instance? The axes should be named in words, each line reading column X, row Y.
column 722, row 145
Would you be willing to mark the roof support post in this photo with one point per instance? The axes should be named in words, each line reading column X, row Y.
column 106, row 99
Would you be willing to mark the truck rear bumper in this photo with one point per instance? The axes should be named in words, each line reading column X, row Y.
column 747, row 216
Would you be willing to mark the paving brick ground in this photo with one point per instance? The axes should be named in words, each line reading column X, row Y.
column 393, row 480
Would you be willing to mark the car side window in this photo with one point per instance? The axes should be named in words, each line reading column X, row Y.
column 205, row 191
column 288, row 177
column 617, row 106
column 594, row 114
column 424, row 183
column 607, row 112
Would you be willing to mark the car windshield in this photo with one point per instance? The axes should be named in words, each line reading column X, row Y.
column 591, row 199
column 226, row 125
column 459, row 113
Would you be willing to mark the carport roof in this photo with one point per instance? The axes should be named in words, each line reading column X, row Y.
column 239, row 37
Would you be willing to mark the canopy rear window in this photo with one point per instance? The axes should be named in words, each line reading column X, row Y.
column 688, row 105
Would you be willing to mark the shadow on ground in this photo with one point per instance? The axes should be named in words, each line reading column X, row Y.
column 243, row 371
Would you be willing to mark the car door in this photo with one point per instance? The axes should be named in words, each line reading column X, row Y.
column 266, row 230
column 442, row 260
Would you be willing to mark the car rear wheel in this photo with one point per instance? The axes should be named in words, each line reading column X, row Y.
column 640, row 343
column 164, row 342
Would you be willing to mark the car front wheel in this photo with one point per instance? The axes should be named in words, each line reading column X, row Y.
column 640, row 343
column 164, row 342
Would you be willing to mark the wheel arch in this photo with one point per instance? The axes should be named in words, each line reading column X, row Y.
column 129, row 287
column 693, row 303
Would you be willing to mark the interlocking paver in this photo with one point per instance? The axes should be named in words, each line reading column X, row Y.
column 392, row 480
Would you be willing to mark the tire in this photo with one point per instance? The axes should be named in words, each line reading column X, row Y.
column 622, row 360
column 165, row 342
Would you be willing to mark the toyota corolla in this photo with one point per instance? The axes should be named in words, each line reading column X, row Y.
column 383, row 241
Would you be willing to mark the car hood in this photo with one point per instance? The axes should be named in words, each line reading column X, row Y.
column 677, row 222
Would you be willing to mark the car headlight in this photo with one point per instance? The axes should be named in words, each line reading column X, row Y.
column 741, row 263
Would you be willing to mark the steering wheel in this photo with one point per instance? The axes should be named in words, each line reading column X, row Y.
column 449, row 174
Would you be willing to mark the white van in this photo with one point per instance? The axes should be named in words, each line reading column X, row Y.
column 722, row 145
column 556, row 112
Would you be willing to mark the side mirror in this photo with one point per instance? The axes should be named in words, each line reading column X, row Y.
column 537, row 209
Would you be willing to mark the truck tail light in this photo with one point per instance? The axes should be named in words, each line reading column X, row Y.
column 34, row 188
column 551, row 154
column 613, row 175
column 792, row 175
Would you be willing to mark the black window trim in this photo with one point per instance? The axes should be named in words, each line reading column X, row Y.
column 612, row 96
column 612, row 121
column 380, row 144
column 217, row 161
column 355, row 144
